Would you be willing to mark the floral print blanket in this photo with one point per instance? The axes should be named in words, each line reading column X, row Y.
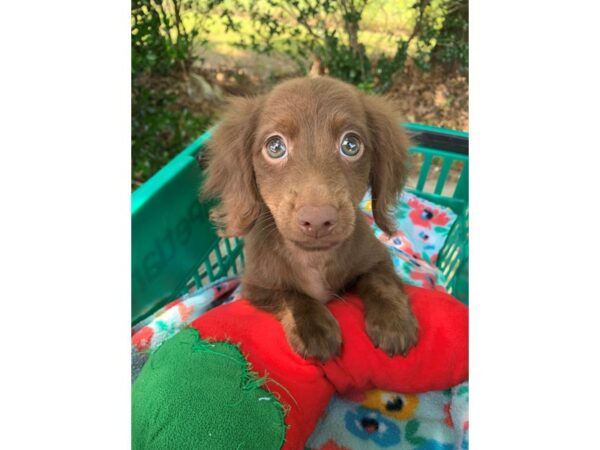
column 375, row 419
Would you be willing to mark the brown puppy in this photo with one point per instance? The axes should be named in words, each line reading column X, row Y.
column 290, row 168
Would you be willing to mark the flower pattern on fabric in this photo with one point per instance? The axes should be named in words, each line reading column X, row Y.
column 447, row 417
column 459, row 411
column 142, row 340
column 425, row 215
column 420, row 442
column 398, row 406
column 367, row 425
column 465, row 442
column 435, row 445
column 400, row 242
column 426, row 280
column 421, row 230
column 331, row 445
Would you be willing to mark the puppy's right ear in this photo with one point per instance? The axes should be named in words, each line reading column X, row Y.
column 229, row 169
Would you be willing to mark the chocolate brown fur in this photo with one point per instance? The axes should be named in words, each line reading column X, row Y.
column 288, row 272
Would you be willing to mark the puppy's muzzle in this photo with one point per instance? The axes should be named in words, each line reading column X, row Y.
column 317, row 221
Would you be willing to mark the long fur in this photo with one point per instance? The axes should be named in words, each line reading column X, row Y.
column 261, row 198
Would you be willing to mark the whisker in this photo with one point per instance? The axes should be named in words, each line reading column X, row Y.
column 340, row 298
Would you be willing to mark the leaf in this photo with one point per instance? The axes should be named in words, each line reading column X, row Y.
column 417, row 440
column 411, row 428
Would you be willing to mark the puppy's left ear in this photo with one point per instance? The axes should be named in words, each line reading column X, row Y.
column 389, row 164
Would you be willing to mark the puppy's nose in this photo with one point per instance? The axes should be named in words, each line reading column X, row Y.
column 317, row 221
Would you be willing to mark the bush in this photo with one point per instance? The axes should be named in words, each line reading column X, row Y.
column 161, row 54
column 452, row 46
column 160, row 128
column 328, row 32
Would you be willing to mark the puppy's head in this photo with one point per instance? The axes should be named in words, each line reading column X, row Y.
column 306, row 153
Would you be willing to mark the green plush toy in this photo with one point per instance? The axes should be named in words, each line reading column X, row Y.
column 193, row 394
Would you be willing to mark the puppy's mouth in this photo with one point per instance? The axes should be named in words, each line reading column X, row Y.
column 315, row 246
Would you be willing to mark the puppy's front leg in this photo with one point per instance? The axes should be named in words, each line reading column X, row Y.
column 390, row 322
column 310, row 328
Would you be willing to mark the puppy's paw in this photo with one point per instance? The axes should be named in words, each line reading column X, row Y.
column 392, row 327
column 314, row 337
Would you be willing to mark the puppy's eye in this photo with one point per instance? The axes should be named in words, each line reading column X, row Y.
column 350, row 146
column 276, row 147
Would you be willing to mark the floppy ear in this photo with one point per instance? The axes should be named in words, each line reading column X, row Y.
column 389, row 164
column 229, row 169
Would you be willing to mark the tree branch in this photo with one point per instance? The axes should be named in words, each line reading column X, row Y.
column 418, row 24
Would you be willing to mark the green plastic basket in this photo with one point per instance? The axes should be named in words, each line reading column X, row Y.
column 175, row 249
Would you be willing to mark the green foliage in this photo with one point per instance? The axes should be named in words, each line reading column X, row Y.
column 159, row 42
column 452, row 47
column 161, row 52
column 307, row 31
column 160, row 128
column 443, row 39
column 326, row 33
column 343, row 62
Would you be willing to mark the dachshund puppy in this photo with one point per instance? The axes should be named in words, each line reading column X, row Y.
column 290, row 168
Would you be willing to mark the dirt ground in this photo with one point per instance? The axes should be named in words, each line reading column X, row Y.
column 433, row 98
